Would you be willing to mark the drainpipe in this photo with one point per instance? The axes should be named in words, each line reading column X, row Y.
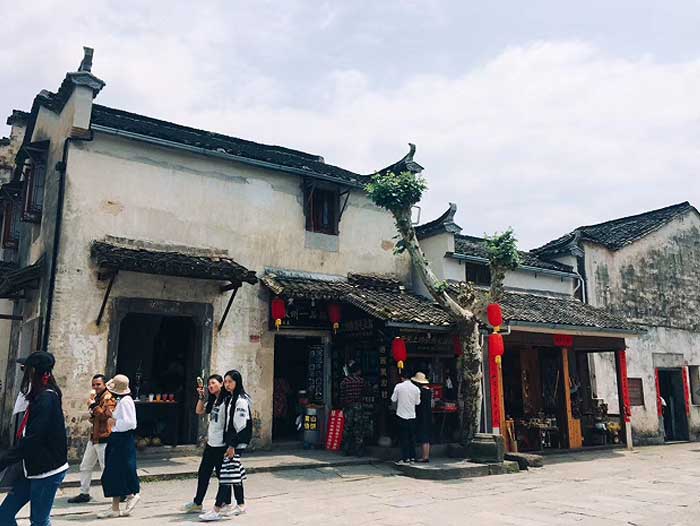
column 61, row 168
column 581, row 286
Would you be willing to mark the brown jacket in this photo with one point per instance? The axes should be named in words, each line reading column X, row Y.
column 99, row 416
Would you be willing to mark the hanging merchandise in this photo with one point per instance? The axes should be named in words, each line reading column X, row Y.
column 334, row 315
column 279, row 311
column 398, row 351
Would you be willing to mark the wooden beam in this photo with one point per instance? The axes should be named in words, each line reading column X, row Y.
column 228, row 308
column 106, row 297
column 10, row 317
column 573, row 424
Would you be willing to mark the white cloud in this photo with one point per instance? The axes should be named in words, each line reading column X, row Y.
column 542, row 136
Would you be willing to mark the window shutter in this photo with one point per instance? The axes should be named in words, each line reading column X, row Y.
column 10, row 237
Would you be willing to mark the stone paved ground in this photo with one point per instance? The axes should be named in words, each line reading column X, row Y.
column 649, row 486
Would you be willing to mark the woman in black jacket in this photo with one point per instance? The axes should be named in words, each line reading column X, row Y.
column 41, row 446
column 238, row 430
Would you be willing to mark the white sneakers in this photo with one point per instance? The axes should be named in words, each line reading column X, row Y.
column 225, row 511
column 131, row 503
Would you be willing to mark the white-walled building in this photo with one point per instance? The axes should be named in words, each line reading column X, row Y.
column 646, row 268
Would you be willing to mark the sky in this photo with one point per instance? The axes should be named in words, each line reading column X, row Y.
column 540, row 115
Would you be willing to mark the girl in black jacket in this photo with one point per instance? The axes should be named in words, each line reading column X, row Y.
column 41, row 446
column 238, row 431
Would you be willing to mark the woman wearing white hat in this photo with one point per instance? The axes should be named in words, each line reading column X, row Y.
column 119, row 478
column 424, row 415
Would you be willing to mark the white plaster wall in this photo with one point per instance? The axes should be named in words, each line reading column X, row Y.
column 527, row 280
column 133, row 190
column 602, row 263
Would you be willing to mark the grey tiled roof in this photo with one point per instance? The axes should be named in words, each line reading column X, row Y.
column 310, row 164
column 530, row 308
column 618, row 233
column 379, row 296
column 169, row 263
column 476, row 247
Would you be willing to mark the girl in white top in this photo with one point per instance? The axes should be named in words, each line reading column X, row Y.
column 119, row 478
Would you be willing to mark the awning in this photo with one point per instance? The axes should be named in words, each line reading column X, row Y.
column 539, row 313
column 13, row 280
column 381, row 297
column 113, row 256
column 137, row 256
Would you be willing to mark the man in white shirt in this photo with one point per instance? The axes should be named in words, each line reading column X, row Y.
column 407, row 397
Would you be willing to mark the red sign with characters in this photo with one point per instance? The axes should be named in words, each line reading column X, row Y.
column 563, row 340
column 686, row 391
column 336, row 427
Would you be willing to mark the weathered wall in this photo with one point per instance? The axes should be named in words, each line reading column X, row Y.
column 129, row 189
column 655, row 282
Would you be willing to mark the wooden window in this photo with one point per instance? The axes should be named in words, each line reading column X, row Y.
column 10, row 229
column 33, row 190
column 322, row 210
column 636, row 388
column 477, row 273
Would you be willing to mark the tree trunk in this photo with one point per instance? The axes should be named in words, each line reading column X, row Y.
column 470, row 364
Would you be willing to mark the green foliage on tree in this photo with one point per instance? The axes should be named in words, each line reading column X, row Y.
column 503, row 250
column 396, row 192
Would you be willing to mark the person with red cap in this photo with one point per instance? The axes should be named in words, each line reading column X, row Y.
column 41, row 448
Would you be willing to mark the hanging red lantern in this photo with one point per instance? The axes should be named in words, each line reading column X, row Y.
column 334, row 315
column 496, row 347
column 279, row 311
column 457, row 344
column 398, row 351
column 494, row 315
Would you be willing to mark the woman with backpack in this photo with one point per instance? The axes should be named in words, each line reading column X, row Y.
column 41, row 445
column 238, row 430
column 214, row 405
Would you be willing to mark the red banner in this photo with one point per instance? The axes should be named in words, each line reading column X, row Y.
column 686, row 391
column 495, row 394
column 627, row 410
column 336, row 427
column 659, row 403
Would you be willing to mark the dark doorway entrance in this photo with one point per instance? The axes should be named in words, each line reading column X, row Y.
column 299, row 378
column 674, row 417
column 159, row 355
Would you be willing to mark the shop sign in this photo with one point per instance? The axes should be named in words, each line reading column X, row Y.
column 304, row 314
column 363, row 327
column 563, row 340
column 421, row 342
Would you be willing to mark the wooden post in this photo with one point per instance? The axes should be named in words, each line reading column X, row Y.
column 573, row 424
column 624, row 395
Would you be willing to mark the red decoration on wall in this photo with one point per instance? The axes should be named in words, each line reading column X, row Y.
column 279, row 311
column 496, row 347
column 622, row 361
column 659, row 404
column 495, row 391
column 494, row 315
column 334, row 315
column 563, row 340
column 686, row 391
column 457, row 344
column 398, row 351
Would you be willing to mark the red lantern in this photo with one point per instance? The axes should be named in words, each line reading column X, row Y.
column 398, row 351
column 334, row 315
column 496, row 347
column 457, row 344
column 279, row 311
column 494, row 315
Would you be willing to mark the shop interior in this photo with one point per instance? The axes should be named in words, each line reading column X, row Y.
column 549, row 403
column 298, row 381
column 158, row 355
column 674, row 416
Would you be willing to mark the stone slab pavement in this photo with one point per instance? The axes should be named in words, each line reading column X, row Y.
column 648, row 486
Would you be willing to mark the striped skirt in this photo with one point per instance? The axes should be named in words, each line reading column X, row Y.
column 232, row 471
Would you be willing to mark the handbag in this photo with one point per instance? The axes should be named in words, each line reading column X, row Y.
column 11, row 475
